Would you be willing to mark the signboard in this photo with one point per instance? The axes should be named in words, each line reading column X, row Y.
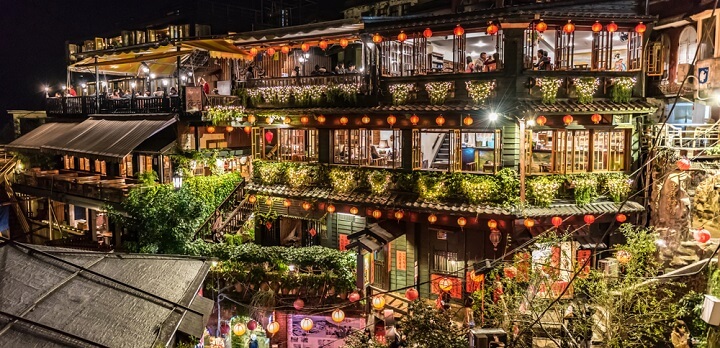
column 343, row 241
column 703, row 75
column 193, row 99
column 325, row 332
column 401, row 260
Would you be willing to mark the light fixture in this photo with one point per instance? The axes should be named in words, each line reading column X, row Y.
column 269, row 201
column 305, row 47
column 247, row 129
column 541, row 120
column 378, row 302
column 287, row 120
column 612, row 27
column 399, row 215
column 589, row 219
column 391, row 120
column 343, row 120
column 273, row 327
column 529, row 223
column 323, row 44
column 306, row 205
column 445, row 284
column 304, row 120
column 414, row 119
column 458, row 31
column 530, row 123
column 239, row 329
column 177, row 180
column 298, row 304
column 229, row 129
column 330, row 208
column 354, row 297
column 620, row 218
column 344, row 42
column 210, row 129
column 338, row 315
column 251, row 119
column 377, row 38
column 411, row 294
column 377, row 214
column 569, row 28
column 596, row 118
column 640, row 28
column 252, row 199
column 270, row 51
column 468, row 120
column 556, row 221
column 440, row 120
column 133, row 85
column 402, row 36
column 432, row 218
column 353, row 210
column 321, row 119
column 251, row 325
column 285, row 49
column 493, row 116
column 495, row 238
column 366, row 119
column 427, row 33
column 492, row 29
column 541, row 26
column 152, row 76
column 462, row 221
column 253, row 51
column 684, row 164
column 287, row 203
column 623, row 257
column 306, row 324
column 567, row 119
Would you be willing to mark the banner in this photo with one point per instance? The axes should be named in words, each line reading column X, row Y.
column 325, row 332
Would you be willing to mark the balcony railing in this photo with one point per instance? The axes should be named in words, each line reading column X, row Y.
column 323, row 80
column 695, row 139
column 87, row 105
column 458, row 91
column 80, row 184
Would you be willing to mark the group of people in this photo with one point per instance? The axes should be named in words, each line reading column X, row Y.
column 159, row 92
column 484, row 63
column 542, row 61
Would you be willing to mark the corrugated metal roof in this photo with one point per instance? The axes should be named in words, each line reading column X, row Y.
column 562, row 107
column 40, row 136
column 568, row 209
column 419, row 108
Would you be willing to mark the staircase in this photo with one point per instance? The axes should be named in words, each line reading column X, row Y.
column 442, row 156
column 228, row 218
column 195, row 60
column 394, row 301
column 19, row 222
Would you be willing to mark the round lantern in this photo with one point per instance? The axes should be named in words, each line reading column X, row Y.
column 344, row 43
column 343, row 120
column 210, row 129
column 411, row 294
column 271, row 51
column 702, row 235
column 269, row 201
column 391, row 120
column 377, row 214
column 273, row 327
column 323, row 44
column 621, row 218
column 378, row 302
column 458, row 31
column 330, row 208
column 402, row 36
column 567, row 119
column 252, row 325
column 306, row 205
column 287, row 120
column 445, row 284
column 269, row 136
column 556, row 221
column 354, row 297
column 569, row 27
column 492, row 224
column 377, row 38
column 414, row 119
column 596, row 27
column 286, row 203
column 365, row 119
column 321, row 119
column 338, row 315
column 440, row 120
column 399, row 215
column 541, row 120
column 596, row 118
column 229, row 129
column 239, row 329
column 495, row 238
column 467, row 120
column 541, row 26
column 305, row 47
column 299, row 304
column 529, row 223
column 640, row 28
column 253, row 51
column 492, row 29
column 612, row 27
column 462, row 221
column 623, row 256
column 304, row 120
column 432, row 218
column 589, row 219
column 306, row 324
column 684, row 164
column 247, row 129
column 354, row 210
column 252, row 199
column 285, row 49
column 251, row 119
column 427, row 33
column 268, row 120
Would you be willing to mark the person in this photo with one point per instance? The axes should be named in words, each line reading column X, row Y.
column 351, row 69
column 71, row 91
column 158, row 92
column 480, row 62
column 340, row 69
column 173, row 91
column 469, row 320
column 445, row 300
column 253, row 341
column 374, row 152
column 296, row 72
column 489, row 63
column 540, row 65
column 147, row 93
column 680, row 337
column 469, row 65
column 249, row 74
column 316, row 70
column 205, row 86
column 547, row 63
column 128, row 94
column 619, row 65
column 323, row 70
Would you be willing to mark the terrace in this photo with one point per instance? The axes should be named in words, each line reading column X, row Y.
column 74, row 183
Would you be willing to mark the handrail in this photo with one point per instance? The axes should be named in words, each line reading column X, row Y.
column 227, row 204
column 20, row 214
column 688, row 136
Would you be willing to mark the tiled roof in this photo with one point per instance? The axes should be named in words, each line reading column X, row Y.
column 598, row 106
column 460, row 107
column 566, row 209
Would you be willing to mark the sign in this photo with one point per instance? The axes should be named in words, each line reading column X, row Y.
column 343, row 242
column 703, row 75
column 582, row 256
column 325, row 332
column 441, row 235
column 193, row 99
column 401, row 260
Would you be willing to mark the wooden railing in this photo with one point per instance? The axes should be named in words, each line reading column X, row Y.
column 696, row 139
column 6, row 173
column 326, row 80
column 222, row 100
column 86, row 105
column 229, row 216
column 87, row 185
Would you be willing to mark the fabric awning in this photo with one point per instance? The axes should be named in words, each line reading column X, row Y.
column 108, row 138
column 218, row 48
column 563, row 107
column 40, row 136
column 294, row 35
column 161, row 61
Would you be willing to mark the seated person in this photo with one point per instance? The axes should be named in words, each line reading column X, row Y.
column 374, row 152
column 158, row 92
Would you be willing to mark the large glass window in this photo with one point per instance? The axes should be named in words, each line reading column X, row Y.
column 365, row 147
column 145, row 163
column 298, row 144
column 578, row 151
column 479, row 152
column 455, row 150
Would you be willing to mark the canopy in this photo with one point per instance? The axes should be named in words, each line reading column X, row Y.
column 299, row 33
column 218, row 48
column 40, row 136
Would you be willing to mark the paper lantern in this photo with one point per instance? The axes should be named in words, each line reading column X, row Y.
column 596, row 118
column 445, row 284
column 620, row 218
column 252, row 325
column 462, row 221
column 399, row 215
column 286, row 203
column 285, row 49
column 612, row 27
column 414, row 119
column 338, row 315
column 354, row 297
column 640, row 28
column 321, row 119
column 567, row 119
column 541, row 120
column 378, row 302
column 377, row 214
column 239, row 329
column 411, row 294
column 252, row 199
column 492, row 224
column 287, row 120
column 458, row 31
column 299, row 304
column 344, row 43
column 684, row 164
column 402, row 36
column 702, row 235
column 495, row 238
column 323, row 44
column 556, row 221
column 269, row 136
column 589, row 219
column 251, row 119
column 427, row 33
column 391, row 120
column 432, row 218
column 541, row 26
column 229, row 129
column 305, row 47
column 492, row 29
column 268, row 201
column 377, row 38
column 468, row 120
column 247, row 129
column 253, row 51
column 210, row 129
column 440, row 120
column 306, row 205
column 477, row 277
column 569, row 27
column 354, row 210
column 343, row 120
column 365, row 119
column 271, row 51
column 306, row 324
column 273, row 327
column 596, row 27
column 529, row 223
column 268, row 120
column 623, row 256
column 304, row 120
column 330, row 208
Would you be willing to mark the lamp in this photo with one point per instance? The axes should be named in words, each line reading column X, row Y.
column 177, row 180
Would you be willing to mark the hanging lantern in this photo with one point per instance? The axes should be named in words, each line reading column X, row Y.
column 529, row 223
column 268, row 201
column 492, row 224
column 306, row 205
column 321, row 119
column 330, row 208
column 377, row 214
column 391, row 120
column 569, row 28
column 252, row 199
column 458, row 31
column 343, row 120
column 640, row 28
column 354, row 297
column 589, row 219
column 304, row 120
column 239, row 329
column 399, row 215
column 273, row 327
column 268, row 120
column 414, row 119
column 287, row 120
column 269, row 136
column 285, row 49
column 210, row 129
column 620, row 218
column 556, row 221
column 596, row 27
column 541, row 26
column 305, row 47
column 252, row 325
column 377, row 38
column 402, row 36
column 253, row 51
column 251, row 119
column 623, row 256
column 462, row 222
column 365, row 119
column 323, row 44
column 492, row 29
column 338, row 315
column 432, row 218
column 612, row 27
column 247, row 129
column 287, row 203
column 411, row 294
column 495, row 238
column 541, row 120
column 567, row 119
column 596, row 118
column 445, row 284
column 299, row 304
column 306, row 324
column 468, row 120
column 440, row 120
column 427, row 33
column 378, row 302
column 344, row 42
column 684, row 164
column 354, row 210
column 229, row 129
column 702, row 235
column 271, row 51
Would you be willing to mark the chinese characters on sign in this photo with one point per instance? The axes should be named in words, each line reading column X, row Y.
column 343, row 242
column 401, row 259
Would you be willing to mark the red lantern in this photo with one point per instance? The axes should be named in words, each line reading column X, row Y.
column 399, row 215
column 354, row 210
column 365, row 119
column 344, row 43
column 440, row 120
column 596, row 118
column 253, row 51
column 557, row 221
column 684, row 164
column 305, row 47
column 321, row 119
column 567, row 119
column 377, row 214
column 354, row 297
column 229, row 129
column 495, row 238
column 306, row 205
column 432, row 218
column 323, row 44
column 623, row 256
column 589, row 219
column 247, row 129
column 492, row 224
column 596, row 27
column 269, row 136
column 391, row 120
column 343, row 120
column 377, row 38
column 702, row 235
column 330, row 208
column 541, row 26
column 427, row 33
column 462, row 221
column 285, row 49
column 458, row 31
column 492, row 29
column 287, row 203
column 414, row 119
column 252, row 325
column 210, row 129
column 621, row 218
column 402, row 36
column 299, row 304
column 612, row 27
column 411, row 294
column 569, row 28
column 304, row 120
column 640, row 28
column 271, row 51
column 529, row 223
column 468, row 120
column 541, row 120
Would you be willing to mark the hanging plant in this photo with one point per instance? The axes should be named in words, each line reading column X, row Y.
column 618, row 186
column 542, row 190
column 342, row 179
column 549, row 88
column 255, row 95
column 479, row 189
column 622, row 88
column 268, row 173
column 299, row 175
column 222, row 115
column 431, row 188
column 401, row 92
column 379, row 181
column 479, row 91
column 585, row 188
column 585, row 87
column 438, row 91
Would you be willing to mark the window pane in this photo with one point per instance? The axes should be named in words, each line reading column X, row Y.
column 435, row 149
column 293, row 145
column 578, row 146
column 478, row 152
column 385, row 148
column 617, row 151
column 601, row 139
column 341, row 149
column 542, row 149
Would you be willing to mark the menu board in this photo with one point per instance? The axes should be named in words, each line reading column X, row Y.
column 193, row 99
column 325, row 332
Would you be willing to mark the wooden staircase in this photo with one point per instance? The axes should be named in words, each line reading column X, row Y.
column 19, row 224
column 228, row 218
column 442, row 156
column 393, row 301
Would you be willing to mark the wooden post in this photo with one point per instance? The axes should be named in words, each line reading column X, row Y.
column 522, row 160
column 97, row 86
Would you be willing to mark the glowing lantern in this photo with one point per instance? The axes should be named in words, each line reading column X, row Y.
column 304, row 120
column 458, row 31
column 252, row 119
column 285, row 49
column 377, row 214
column 306, row 324
column 569, row 27
column 268, row 120
column 269, row 136
column 541, row 26
column 306, row 205
column 492, row 29
column 365, row 119
column 344, row 43
column 477, row 277
column 338, row 315
column 287, row 203
column 495, row 238
column 492, row 224
column 273, row 327
column 399, row 215
column 432, row 218
column 210, row 129
column 378, row 302
column 271, row 51
column 252, row 325
column 287, row 120
column 427, row 33
column 467, row 120
column 305, row 47
column 321, row 119
column 330, row 208
column 343, row 120
column 253, row 51
column 556, row 221
column 268, row 201
column 411, row 294
column 623, row 256
column 596, row 118
column 414, row 119
column 354, row 210
column 596, row 27
column 377, row 38
column 440, row 120
column 239, row 329
column 589, row 219
column 541, row 120
column 462, row 221
column 621, row 218
column 299, row 304
column 402, row 36
column 529, row 223
column 391, row 120
column 323, row 44
column 567, row 119
column 683, row 164
column 247, row 129
column 612, row 27
column 252, row 199
column 702, row 235
column 445, row 284
column 640, row 28
column 229, row 129
column 354, row 297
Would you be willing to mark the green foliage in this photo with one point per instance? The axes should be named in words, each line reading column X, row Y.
column 428, row 327
column 147, row 178
column 359, row 339
column 223, row 115
column 40, row 160
column 431, row 188
column 299, row 175
column 401, row 92
column 509, row 186
column 268, row 173
column 479, row 189
column 585, row 188
column 438, row 91
column 585, row 88
column 690, row 311
column 622, row 89
column 617, row 186
column 379, row 181
column 183, row 160
column 343, row 180
column 549, row 88
column 479, row 91
column 542, row 190
column 640, row 243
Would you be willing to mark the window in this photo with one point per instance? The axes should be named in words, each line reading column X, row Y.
column 100, row 167
column 145, row 163
column 687, row 45
column 126, row 166
column 574, row 151
column 656, row 59
column 609, row 151
column 376, row 148
column 298, row 144
column 69, row 162
column 479, row 152
column 85, row 164
column 346, row 146
column 456, row 150
column 707, row 40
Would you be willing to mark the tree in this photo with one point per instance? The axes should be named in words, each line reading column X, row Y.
column 360, row 339
column 425, row 326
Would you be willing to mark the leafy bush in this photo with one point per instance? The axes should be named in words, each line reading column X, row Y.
column 509, row 186
column 617, row 185
column 343, row 180
column 479, row 189
column 299, row 175
column 585, row 188
column 431, row 188
column 542, row 190
column 268, row 173
column 379, row 181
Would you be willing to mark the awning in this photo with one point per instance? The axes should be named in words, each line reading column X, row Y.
column 40, row 136
column 574, row 108
column 374, row 236
column 108, row 137
column 161, row 61
column 596, row 208
column 295, row 35
column 218, row 48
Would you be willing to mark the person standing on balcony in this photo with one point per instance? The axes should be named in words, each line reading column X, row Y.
column 479, row 64
column 205, row 86
column 469, row 65
column 71, row 91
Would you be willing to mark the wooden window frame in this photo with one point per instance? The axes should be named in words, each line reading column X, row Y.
column 561, row 156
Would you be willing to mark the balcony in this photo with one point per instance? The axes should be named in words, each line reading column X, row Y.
column 692, row 140
column 63, row 182
column 86, row 105
column 457, row 92
column 306, row 91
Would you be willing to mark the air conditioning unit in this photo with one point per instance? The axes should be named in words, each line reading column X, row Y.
column 711, row 310
column 609, row 266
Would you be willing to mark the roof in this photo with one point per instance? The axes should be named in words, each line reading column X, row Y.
column 562, row 107
column 298, row 33
column 414, row 108
column 54, row 297
column 40, row 136
column 567, row 209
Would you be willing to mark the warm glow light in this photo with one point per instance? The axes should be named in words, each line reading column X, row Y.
column 589, row 219
column 306, row 324
column 701, row 235
column 366, row 119
column 399, row 215
column 305, row 47
column 427, row 33
column 411, row 294
column 304, row 120
column 344, row 42
column 541, row 120
column 354, row 210
column 271, row 51
column 252, row 199
column 458, row 31
column 273, row 327
column 684, row 164
column 338, row 315
column 493, row 116
column 529, row 223
column 492, row 224
column 323, row 44
column 468, row 120
column 612, row 27
column 541, row 26
column 492, row 29
column 247, row 129
column 269, row 201
column 377, row 214
column 462, row 221
column 440, row 120
column 354, row 297
column 229, row 129
column 621, row 218
column 402, row 36
column 596, row 27
column 378, row 302
column 268, row 120
column 239, row 329
column 569, row 27
column 287, row 120
column 596, row 118
column 414, row 119
column 210, row 129
column 377, row 38
column 557, row 221
column 445, row 284
column 567, row 119
column 640, row 28
column 306, row 205
column 251, row 119
column 432, row 218
column 343, row 120
column 623, row 257
column 321, row 119
column 330, row 208
column 285, row 49
column 253, row 51
column 391, row 120
column 286, row 203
